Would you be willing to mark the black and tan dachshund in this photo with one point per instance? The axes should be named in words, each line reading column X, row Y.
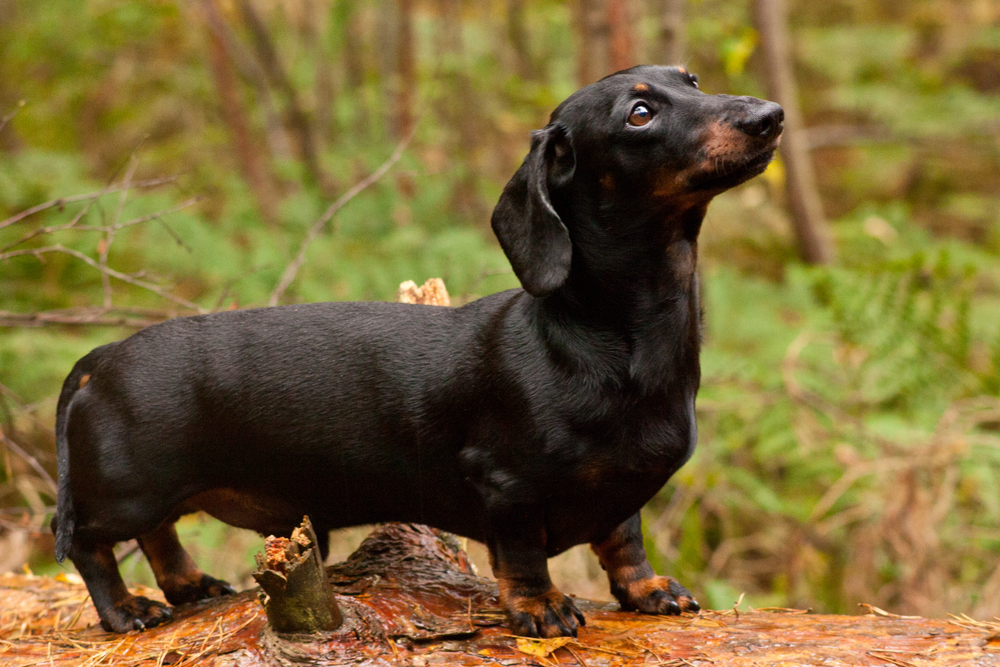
column 532, row 420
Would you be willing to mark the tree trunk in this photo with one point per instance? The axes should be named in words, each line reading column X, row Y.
column 622, row 47
column 406, row 72
column 671, row 40
column 252, row 72
column 814, row 244
column 448, row 33
column 352, row 43
column 299, row 121
column 592, row 37
column 386, row 61
column 318, row 42
column 517, row 33
column 461, row 113
column 248, row 159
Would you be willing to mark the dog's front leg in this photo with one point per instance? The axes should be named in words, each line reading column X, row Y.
column 534, row 606
column 633, row 581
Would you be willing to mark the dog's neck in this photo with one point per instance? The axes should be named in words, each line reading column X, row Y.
column 643, row 296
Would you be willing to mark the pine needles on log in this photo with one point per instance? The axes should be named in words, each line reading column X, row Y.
column 409, row 597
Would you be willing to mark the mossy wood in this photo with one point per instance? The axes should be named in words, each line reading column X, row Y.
column 296, row 595
column 409, row 597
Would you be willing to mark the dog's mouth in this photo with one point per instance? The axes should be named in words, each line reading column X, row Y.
column 724, row 172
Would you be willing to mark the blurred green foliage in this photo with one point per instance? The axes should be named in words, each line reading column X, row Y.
column 849, row 414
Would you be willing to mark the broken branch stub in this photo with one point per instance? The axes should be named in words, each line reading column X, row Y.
column 296, row 595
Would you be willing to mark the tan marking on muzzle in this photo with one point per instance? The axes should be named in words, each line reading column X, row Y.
column 722, row 142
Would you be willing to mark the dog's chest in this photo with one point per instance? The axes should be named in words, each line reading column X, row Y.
column 612, row 478
column 636, row 451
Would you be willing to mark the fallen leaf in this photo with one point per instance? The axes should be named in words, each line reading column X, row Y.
column 541, row 648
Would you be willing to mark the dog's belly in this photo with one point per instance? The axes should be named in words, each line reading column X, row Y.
column 265, row 513
column 273, row 513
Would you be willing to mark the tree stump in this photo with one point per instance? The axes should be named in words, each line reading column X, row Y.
column 295, row 592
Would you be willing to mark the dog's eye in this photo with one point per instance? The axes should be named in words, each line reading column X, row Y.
column 640, row 115
column 694, row 80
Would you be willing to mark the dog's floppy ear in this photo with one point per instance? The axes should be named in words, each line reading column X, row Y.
column 531, row 233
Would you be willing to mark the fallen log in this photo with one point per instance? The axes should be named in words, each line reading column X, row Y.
column 409, row 596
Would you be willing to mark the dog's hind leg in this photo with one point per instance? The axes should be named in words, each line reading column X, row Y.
column 176, row 573
column 120, row 611
column 633, row 581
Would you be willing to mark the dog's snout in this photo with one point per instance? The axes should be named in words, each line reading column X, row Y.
column 765, row 122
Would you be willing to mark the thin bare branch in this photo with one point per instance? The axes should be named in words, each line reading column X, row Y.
column 9, row 117
column 26, row 408
column 109, row 237
column 30, row 460
column 59, row 248
column 105, row 228
column 90, row 316
column 62, row 201
column 293, row 268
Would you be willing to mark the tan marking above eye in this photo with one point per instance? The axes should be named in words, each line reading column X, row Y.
column 682, row 70
column 640, row 87
column 84, row 379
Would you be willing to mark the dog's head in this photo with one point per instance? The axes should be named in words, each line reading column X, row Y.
column 640, row 145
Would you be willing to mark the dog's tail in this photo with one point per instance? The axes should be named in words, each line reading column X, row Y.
column 65, row 518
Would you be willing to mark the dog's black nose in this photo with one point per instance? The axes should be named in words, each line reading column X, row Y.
column 763, row 122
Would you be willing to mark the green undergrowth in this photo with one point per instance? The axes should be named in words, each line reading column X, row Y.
column 849, row 420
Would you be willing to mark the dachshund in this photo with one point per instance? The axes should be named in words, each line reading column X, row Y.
column 532, row 420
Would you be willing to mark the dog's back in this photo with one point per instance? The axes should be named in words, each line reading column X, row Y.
column 266, row 402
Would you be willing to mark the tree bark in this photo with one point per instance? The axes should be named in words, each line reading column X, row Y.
column 804, row 202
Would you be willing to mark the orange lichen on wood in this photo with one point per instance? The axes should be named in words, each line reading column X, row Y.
column 274, row 553
column 410, row 597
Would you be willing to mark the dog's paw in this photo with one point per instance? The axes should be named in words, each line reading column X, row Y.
column 215, row 588
column 656, row 595
column 551, row 614
column 135, row 613
column 206, row 587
